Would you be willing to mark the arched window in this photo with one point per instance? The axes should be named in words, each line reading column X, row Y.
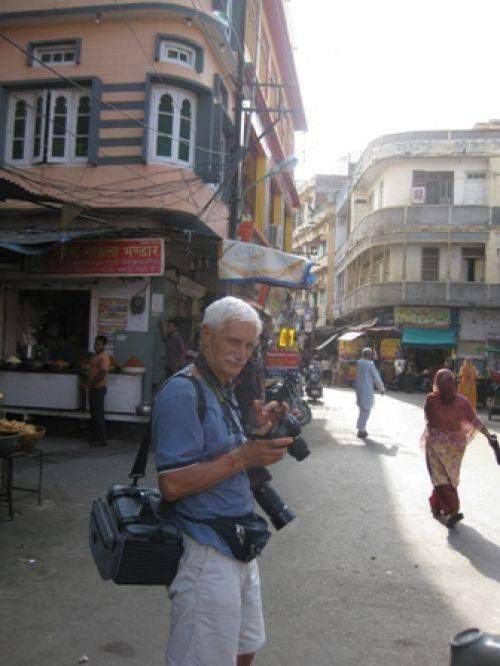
column 185, row 131
column 172, row 121
column 165, row 126
column 19, row 132
column 59, row 126
column 82, row 127
column 48, row 125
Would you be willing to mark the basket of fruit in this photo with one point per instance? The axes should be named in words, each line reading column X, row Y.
column 28, row 434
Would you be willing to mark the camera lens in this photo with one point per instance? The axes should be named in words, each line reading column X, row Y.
column 299, row 449
column 272, row 504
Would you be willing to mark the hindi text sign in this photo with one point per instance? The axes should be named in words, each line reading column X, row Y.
column 107, row 257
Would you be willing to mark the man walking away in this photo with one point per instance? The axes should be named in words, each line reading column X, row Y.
column 175, row 349
column 99, row 368
column 367, row 378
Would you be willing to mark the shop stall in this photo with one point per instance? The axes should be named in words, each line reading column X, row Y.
column 350, row 345
column 55, row 308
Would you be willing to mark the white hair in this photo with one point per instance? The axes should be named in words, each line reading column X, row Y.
column 231, row 308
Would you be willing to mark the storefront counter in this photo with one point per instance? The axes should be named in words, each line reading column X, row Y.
column 124, row 393
column 46, row 390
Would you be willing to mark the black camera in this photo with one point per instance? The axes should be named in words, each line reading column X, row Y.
column 265, row 495
column 288, row 426
column 268, row 499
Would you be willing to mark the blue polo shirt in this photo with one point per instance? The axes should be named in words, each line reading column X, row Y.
column 181, row 440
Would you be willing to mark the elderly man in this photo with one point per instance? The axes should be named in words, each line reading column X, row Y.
column 216, row 615
column 367, row 378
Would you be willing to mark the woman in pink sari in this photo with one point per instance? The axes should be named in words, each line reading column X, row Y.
column 451, row 424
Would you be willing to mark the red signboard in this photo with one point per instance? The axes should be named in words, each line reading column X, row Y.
column 144, row 256
column 282, row 359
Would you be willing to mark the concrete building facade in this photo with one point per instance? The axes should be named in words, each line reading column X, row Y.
column 419, row 227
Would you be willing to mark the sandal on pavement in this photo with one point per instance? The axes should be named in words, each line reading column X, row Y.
column 454, row 520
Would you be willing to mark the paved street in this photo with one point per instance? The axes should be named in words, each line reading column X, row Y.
column 362, row 576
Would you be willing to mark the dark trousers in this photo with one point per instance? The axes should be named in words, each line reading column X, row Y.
column 96, row 407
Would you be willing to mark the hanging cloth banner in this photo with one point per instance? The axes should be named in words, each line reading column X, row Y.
column 246, row 262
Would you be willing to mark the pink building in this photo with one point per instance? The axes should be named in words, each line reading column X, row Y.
column 117, row 122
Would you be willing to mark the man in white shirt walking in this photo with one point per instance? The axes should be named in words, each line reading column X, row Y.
column 367, row 378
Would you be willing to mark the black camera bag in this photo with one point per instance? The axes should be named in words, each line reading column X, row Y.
column 133, row 540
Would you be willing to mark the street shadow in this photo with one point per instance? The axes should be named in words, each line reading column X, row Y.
column 483, row 554
column 369, row 443
column 378, row 447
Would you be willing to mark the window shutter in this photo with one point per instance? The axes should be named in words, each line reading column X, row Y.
column 203, row 138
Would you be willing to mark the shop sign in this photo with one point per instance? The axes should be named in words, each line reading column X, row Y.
column 350, row 348
column 127, row 256
column 422, row 316
column 282, row 359
column 390, row 348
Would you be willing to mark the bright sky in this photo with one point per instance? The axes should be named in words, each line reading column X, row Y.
column 372, row 67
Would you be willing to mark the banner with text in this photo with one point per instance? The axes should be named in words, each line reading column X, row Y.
column 110, row 257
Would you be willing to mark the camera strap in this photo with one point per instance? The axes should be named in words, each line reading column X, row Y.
column 230, row 408
column 138, row 470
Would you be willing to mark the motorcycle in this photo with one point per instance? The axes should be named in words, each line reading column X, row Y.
column 493, row 399
column 289, row 389
column 314, row 385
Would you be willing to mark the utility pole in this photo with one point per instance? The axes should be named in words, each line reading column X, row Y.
column 237, row 154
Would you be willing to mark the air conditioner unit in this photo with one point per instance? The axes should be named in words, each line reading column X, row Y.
column 418, row 195
column 276, row 236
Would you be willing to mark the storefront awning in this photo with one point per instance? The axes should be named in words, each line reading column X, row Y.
column 33, row 242
column 429, row 337
column 369, row 323
column 249, row 263
column 351, row 335
column 327, row 341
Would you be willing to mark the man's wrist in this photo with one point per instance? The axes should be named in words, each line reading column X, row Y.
column 235, row 461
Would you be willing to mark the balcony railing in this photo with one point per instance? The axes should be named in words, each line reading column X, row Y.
column 479, row 294
column 389, row 225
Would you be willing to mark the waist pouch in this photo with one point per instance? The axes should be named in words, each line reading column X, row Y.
column 245, row 536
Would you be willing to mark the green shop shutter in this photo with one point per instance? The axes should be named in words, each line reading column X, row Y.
column 429, row 337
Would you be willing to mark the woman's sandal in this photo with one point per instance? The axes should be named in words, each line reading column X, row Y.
column 454, row 520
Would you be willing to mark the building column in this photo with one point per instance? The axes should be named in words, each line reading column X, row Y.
column 279, row 213
column 288, row 235
column 260, row 193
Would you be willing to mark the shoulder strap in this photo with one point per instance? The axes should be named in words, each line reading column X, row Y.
column 141, row 460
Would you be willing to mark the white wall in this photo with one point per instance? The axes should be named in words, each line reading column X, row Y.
column 116, row 288
column 477, row 324
column 396, row 263
column 397, row 178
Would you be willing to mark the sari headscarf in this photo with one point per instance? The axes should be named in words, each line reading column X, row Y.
column 450, row 417
column 444, row 386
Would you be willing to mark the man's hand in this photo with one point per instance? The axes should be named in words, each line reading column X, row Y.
column 267, row 416
column 262, row 452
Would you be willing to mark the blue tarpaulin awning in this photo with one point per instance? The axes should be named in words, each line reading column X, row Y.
column 428, row 337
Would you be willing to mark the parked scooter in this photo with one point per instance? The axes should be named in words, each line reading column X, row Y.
column 314, row 385
column 288, row 389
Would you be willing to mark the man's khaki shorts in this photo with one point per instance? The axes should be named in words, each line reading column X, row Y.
column 216, row 611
